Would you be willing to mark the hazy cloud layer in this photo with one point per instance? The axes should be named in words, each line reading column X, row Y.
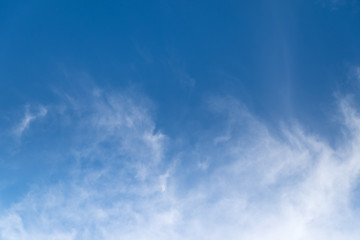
column 241, row 181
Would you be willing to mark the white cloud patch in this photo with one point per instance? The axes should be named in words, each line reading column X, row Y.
column 256, row 186
column 29, row 117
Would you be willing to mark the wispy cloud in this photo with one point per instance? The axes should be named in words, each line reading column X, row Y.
column 127, row 184
column 29, row 117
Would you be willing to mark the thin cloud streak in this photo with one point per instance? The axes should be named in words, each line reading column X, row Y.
column 28, row 118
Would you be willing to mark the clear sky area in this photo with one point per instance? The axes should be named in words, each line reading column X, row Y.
column 173, row 120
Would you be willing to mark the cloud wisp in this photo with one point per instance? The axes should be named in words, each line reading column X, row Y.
column 28, row 118
column 127, row 183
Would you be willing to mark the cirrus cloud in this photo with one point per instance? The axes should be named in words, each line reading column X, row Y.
column 127, row 182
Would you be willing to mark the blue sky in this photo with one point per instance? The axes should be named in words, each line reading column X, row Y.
column 179, row 119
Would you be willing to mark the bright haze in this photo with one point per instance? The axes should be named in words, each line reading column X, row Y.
column 180, row 120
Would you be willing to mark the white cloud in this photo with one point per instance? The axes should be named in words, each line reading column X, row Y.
column 28, row 118
column 256, row 186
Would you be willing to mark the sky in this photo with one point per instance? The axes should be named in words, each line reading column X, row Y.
column 180, row 120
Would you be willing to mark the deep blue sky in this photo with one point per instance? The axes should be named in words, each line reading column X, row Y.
column 285, row 59
column 191, row 70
